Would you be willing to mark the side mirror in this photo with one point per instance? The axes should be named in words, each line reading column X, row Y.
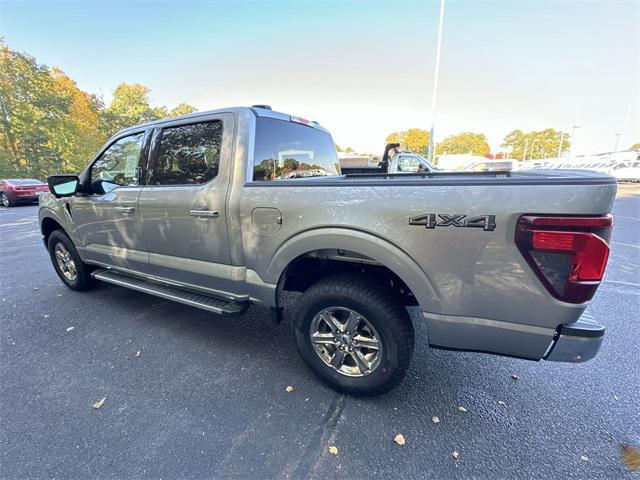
column 63, row 185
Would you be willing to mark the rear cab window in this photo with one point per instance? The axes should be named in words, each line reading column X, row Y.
column 189, row 154
column 286, row 151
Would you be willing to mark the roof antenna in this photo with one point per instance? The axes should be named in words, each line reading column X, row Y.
column 264, row 107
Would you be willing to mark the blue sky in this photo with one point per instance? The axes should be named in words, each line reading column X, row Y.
column 361, row 68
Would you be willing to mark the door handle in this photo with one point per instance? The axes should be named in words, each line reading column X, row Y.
column 204, row 213
column 124, row 209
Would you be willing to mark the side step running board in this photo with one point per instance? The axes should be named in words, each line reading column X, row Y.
column 198, row 300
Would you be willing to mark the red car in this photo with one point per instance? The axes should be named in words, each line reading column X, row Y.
column 14, row 191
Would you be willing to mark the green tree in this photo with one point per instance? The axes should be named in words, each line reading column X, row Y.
column 413, row 139
column 47, row 124
column 130, row 105
column 538, row 144
column 466, row 142
column 182, row 109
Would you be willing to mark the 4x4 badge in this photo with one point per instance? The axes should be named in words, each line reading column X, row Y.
column 433, row 220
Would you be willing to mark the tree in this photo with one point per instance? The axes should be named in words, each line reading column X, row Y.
column 635, row 146
column 129, row 106
column 414, row 139
column 182, row 109
column 49, row 125
column 344, row 149
column 46, row 123
column 466, row 142
column 538, row 144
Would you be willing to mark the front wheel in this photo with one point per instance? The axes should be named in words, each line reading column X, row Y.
column 5, row 201
column 354, row 334
column 74, row 273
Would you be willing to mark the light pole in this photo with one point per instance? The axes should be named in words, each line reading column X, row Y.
column 561, row 141
column 617, row 135
column 573, row 139
column 531, row 152
column 435, row 83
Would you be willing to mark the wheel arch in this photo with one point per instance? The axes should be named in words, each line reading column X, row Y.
column 361, row 248
column 47, row 226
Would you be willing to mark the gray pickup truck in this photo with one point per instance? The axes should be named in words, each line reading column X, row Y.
column 229, row 208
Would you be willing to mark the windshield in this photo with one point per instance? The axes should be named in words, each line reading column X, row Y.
column 286, row 150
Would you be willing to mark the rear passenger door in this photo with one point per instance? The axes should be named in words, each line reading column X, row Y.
column 183, row 208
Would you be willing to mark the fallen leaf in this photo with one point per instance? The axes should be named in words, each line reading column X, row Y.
column 59, row 295
column 289, row 389
column 70, row 328
column 455, row 455
column 462, row 409
column 35, row 289
column 46, row 315
column 99, row 403
column 399, row 439
column 584, row 458
column 138, row 353
column 630, row 456
column 333, row 450
column 616, row 398
column 500, row 402
column 515, row 377
column 435, row 419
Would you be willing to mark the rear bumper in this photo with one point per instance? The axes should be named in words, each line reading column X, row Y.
column 572, row 342
column 577, row 342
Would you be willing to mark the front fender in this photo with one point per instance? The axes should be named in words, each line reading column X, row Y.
column 362, row 243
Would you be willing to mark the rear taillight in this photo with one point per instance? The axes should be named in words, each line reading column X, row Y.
column 568, row 254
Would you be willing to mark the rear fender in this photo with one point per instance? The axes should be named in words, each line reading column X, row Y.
column 362, row 243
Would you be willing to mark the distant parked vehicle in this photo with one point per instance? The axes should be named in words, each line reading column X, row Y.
column 14, row 191
column 627, row 171
column 490, row 166
column 402, row 162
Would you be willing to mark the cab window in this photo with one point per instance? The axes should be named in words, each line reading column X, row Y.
column 408, row 164
column 287, row 151
column 118, row 165
column 189, row 154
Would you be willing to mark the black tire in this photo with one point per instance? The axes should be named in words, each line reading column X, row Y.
column 83, row 279
column 5, row 201
column 381, row 309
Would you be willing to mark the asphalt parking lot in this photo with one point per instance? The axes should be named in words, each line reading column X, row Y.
column 206, row 395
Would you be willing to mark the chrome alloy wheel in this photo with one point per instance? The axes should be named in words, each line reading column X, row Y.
column 4, row 200
column 65, row 263
column 346, row 341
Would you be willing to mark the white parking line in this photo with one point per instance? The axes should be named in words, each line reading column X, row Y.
column 29, row 222
column 618, row 282
column 626, row 244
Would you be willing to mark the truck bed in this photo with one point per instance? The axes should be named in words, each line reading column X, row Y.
column 539, row 177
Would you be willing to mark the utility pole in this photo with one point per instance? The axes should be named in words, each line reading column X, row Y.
column 435, row 83
column 561, row 141
column 573, row 139
column 617, row 135
column 526, row 145
column 532, row 144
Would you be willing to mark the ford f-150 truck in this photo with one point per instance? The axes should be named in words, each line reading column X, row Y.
column 229, row 208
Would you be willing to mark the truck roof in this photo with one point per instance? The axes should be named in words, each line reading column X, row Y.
column 257, row 110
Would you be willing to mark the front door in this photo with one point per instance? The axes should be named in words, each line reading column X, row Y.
column 183, row 205
column 107, row 220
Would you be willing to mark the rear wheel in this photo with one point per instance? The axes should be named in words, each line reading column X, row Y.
column 73, row 272
column 5, row 201
column 354, row 334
